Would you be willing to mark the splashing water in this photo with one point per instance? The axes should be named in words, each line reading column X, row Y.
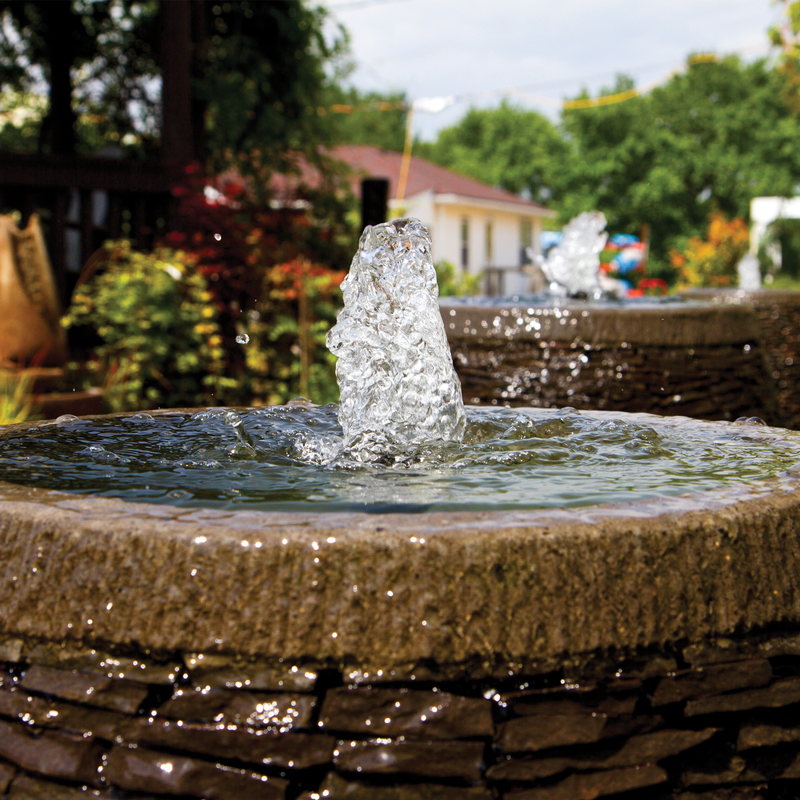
column 398, row 388
column 573, row 266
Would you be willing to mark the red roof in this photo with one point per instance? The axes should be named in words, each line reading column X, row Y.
column 423, row 176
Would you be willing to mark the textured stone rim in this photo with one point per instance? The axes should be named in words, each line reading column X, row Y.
column 519, row 589
column 667, row 325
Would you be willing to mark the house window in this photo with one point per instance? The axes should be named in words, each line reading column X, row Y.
column 525, row 241
column 489, row 243
column 464, row 244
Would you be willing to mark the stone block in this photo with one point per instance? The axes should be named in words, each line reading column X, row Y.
column 765, row 735
column 288, row 750
column 6, row 774
column 533, row 733
column 93, row 661
column 400, row 712
column 52, row 754
column 781, row 693
column 92, row 690
column 595, row 784
column 224, row 672
column 432, row 759
column 540, row 733
column 334, row 787
column 648, row 748
column 45, row 713
column 712, row 679
column 200, row 704
column 26, row 787
column 142, row 770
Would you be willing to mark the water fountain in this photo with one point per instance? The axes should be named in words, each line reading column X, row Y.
column 224, row 603
column 580, row 344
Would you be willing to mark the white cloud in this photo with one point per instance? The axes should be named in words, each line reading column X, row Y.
column 432, row 48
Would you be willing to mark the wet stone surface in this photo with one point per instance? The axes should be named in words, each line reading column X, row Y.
column 55, row 755
column 335, row 787
column 713, row 679
column 704, row 382
column 93, row 690
column 597, row 784
column 396, row 712
column 149, row 771
column 203, row 704
column 658, row 724
column 428, row 759
column 26, row 787
column 290, row 750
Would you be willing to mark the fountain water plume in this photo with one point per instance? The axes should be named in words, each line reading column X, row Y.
column 573, row 266
column 398, row 387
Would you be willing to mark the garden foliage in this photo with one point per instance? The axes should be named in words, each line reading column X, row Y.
column 712, row 261
column 161, row 343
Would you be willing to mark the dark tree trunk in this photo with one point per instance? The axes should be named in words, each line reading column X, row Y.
column 59, row 127
column 176, row 132
column 199, row 57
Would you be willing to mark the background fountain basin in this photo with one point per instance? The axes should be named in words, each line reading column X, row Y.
column 671, row 358
column 385, row 655
column 778, row 314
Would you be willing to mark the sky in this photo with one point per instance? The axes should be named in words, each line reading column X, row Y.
column 549, row 48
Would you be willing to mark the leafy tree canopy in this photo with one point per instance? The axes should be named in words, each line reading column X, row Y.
column 710, row 140
column 509, row 147
column 377, row 119
column 261, row 71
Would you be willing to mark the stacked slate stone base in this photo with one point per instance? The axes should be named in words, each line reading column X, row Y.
column 778, row 314
column 714, row 720
column 717, row 382
column 701, row 361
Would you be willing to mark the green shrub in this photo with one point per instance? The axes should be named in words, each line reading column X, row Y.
column 453, row 285
column 161, row 344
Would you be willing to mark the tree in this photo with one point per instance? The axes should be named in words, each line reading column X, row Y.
column 265, row 79
column 97, row 60
column 508, row 147
column 710, row 140
column 261, row 71
column 376, row 119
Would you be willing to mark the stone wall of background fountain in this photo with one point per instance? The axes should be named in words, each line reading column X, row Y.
column 778, row 314
column 152, row 650
column 579, row 346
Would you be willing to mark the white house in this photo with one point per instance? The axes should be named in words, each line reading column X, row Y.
column 478, row 228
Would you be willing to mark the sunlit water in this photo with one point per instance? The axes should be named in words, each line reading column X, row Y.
column 291, row 458
column 397, row 385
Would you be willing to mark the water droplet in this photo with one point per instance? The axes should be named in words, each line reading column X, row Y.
column 218, row 237
column 242, row 338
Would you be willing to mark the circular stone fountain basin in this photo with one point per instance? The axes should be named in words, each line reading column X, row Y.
column 535, row 653
column 778, row 315
column 671, row 358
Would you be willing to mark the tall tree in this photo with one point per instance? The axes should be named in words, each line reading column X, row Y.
column 262, row 70
column 367, row 117
column 97, row 61
column 710, row 140
column 509, row 147
column 265, row 79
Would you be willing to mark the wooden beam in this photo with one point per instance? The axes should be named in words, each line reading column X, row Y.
column 71, row 172
column 176, row 93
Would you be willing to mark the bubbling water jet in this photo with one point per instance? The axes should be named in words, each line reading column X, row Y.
column 398, row 388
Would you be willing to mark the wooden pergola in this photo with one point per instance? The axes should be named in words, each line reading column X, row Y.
column 137, row 198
